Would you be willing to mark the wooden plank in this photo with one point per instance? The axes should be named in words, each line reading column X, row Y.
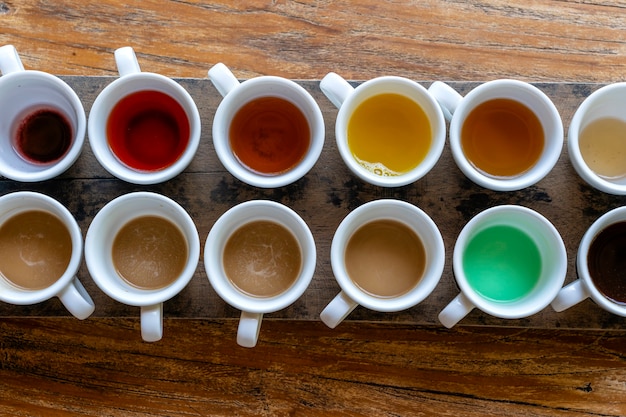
column 323, row 198
column 542, row 40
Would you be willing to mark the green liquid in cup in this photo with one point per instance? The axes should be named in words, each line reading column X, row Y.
column 502, row 263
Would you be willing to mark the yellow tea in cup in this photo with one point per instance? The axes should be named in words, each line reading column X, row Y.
column 389, row 134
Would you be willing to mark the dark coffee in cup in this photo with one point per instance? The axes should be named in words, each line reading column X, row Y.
column 606, row 261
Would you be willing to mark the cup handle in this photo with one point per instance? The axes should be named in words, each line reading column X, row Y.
column 335, row 88
column 337, row 310
column 76, row 299
column 455, row 311
column 569, row 296
column 222, row 78
column 10, row 60
column 249, row 327
column 446, row 96
column 152, row 322
column 126, row 61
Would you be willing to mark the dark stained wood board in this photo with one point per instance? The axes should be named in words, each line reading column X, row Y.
column 323, row 198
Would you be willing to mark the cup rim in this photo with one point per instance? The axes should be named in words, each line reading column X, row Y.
column 232, row 102
column 20, row 296
column 613, row 216
column 121, row 87
column 379, row 210
column 550, row 155
column 573, row 147
column 509, row 310
column 49, row 171
column 236, row 217
column 93, row 248
column 438, row 127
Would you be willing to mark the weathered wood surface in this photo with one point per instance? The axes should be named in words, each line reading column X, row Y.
column 323, row 198
column 544, row 40
column 99, row 368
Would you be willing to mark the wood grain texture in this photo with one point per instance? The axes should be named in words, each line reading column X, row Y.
column 97, row 367
column 426, row 40
column 60, row 366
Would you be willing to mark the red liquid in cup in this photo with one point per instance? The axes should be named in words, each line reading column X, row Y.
column 148, row 130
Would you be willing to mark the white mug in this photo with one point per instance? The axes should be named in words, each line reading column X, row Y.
column 347, row 99
column 585, row 287
column 458, row 108
column 252, row 306
column 187, row 129
column 99, row 242
column 538, row 235
column 237, row 95
column 351, row 294
column 27, row 98
column 67, row 287
column 605, row 103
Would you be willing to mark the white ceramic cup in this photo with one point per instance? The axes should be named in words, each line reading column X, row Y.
column 98, row 255
column 236, row 95
column 551, row 277
column 132, row 80
column 347, row 98
column 351, row 295
column 252, row 308
column 22, row 93
column 584, row 287
column 606, row 102
column 457, row 108
column 67, row 288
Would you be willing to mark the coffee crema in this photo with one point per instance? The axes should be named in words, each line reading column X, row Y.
column 35, row 249
column 148, row 130
column 389, row 134
column 43, row 136
column 269, row 135
column 262, row 258
column 603, row 147
column 385, row 258
column 606, row 260
column 502, row 138
column 149, row 252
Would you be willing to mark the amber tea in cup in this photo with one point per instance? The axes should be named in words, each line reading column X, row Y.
column 267, row 131
column 502, row 137
column 269, row 135
column 262, row 258
column 505, row 135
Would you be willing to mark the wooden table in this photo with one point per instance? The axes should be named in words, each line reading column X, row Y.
column 51, row 364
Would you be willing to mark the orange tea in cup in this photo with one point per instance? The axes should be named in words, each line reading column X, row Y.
column 502, row 138
column 269, row 135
